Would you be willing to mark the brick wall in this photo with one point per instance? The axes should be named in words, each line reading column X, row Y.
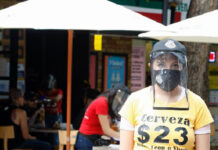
column 112, row 44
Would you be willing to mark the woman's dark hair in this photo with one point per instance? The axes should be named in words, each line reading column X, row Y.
column 15, row 94
column 110, row 95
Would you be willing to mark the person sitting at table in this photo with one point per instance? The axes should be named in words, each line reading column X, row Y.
column 19, row 120
column 53, row 109
column 35, row 110
column 98, row 118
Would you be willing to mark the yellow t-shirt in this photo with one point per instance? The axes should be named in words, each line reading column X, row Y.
column 164, row 129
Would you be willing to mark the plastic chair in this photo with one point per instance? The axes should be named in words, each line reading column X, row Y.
column 7, row 132
column 63, row 138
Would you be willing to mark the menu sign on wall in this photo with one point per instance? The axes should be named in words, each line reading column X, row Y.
column 138, row 65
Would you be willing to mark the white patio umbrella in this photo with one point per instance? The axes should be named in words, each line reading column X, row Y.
column 74, row 15
column 202, row 28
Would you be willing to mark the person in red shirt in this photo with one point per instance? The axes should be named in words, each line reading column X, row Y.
column 53, row 107
column 99, row 116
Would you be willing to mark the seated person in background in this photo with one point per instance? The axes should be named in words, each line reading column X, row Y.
column 19, row 120
column 53, row 109
column 35, row 111
column 98, row 118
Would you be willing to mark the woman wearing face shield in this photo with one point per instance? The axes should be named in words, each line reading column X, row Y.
column 166, row 115
column 98, row 117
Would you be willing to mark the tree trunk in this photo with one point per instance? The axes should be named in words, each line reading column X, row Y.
column 197, row 53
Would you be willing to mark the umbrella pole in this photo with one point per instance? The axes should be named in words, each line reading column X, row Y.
column 69, row 82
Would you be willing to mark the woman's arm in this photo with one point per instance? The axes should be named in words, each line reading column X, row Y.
column 202, row 141
column 32, row 120
column 105, row 124
column 23, row 125
column 126, row 140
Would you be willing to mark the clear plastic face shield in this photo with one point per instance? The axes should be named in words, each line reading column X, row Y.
column 51, row 82
column 119, row 100
column 169, row 80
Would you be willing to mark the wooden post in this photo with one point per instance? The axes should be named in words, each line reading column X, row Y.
column 69, row 82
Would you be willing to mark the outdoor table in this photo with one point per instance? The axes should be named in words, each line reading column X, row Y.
column 43, row 130
column 44, row 134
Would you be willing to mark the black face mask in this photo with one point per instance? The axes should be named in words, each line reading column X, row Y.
column 167, row 79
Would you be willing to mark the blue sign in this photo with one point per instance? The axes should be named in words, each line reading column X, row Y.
column 115, row 70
